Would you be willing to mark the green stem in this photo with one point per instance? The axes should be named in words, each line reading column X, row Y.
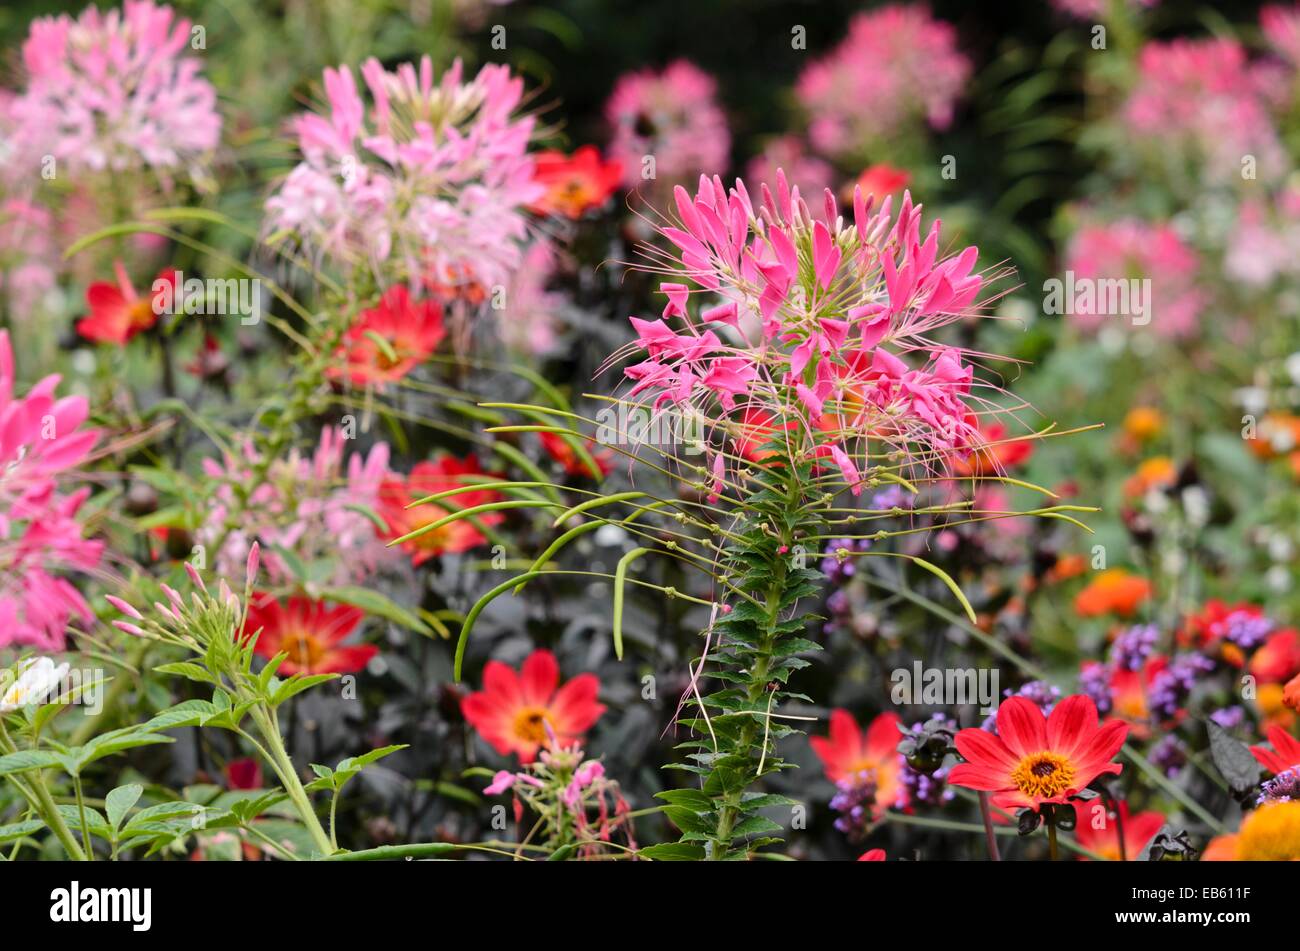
column 85, row 827
column 269, row 727
column 41, row 801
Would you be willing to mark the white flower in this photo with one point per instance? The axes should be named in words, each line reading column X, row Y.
column 39, row 680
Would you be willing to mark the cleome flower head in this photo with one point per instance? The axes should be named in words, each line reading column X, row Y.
column 810, row 333
column 114, row 90
column 898, row 67
column 427, row 184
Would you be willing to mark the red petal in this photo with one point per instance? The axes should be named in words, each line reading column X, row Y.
column 1021, row 726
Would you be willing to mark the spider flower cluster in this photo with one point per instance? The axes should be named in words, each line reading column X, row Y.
column 897, row 66
column 41, row 443
column 115, row 91
column 811, row 332
column 427, row 184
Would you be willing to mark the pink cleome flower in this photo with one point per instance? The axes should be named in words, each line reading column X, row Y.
column 898, row 66
column 114, row 90
column 1202, row 98
column 40, row 538
column 842, row 312
column 672, row 116
column 313, row 507
column 428, row 185
column 1130, row 248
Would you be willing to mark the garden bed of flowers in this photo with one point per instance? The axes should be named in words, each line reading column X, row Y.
column 517, row 431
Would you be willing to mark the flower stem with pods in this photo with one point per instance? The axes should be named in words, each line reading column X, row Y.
column 755, row 648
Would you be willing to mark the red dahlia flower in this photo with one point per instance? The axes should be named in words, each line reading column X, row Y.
column 389, row 340
column 430, row 478
column 574, row 184
column 1105, row 841
column 117, row 312
column 513, row 712
column 1034, row 760
column 848, row 752
column 309, row 632
column 1285, row 752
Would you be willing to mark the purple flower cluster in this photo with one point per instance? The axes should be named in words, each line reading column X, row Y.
column 1172, row 685
column 855, row 802
column 1132, row 647
column 837, row 569
column 1094, row 680
column 1169, row 755
column 1247, row 630
column 1284, row 787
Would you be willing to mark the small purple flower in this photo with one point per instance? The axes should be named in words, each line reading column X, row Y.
column 1169, row 755
column 856, row 803
column 1094, row 680
column 1229, row 717
column 1172, row 685
column 1247, row 630
column 1132, row 647
column 1284, row 787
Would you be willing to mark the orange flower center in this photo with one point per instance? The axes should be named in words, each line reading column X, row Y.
column 303, row 648
column 530, row 725
column 1043, row 775
column 140, row 314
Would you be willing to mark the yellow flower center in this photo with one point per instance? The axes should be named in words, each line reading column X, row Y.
column 1043, row 775
column 530, row 725
column 303, row 649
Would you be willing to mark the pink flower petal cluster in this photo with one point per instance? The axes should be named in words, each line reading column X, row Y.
column 1203, row 99
column 428, row 185
column 897, row 67
column 842, row 314
column 1281, row 28
column 115, row 91
column 789, row 154
column 1096, row 10
column 313, row 507
column 41, row 441
column 672, row 116
column 27, row 248
column 1133, row 249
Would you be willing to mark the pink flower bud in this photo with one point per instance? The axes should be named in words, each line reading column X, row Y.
column 254, row 558
column 129, row 628
column 122, row 606
column 194, row 576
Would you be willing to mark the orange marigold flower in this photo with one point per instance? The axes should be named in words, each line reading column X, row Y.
column 1158, row 472
column 1143, row 423
column 1113, row 591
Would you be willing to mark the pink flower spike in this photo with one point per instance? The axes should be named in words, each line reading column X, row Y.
column 122, row 606
column 195, row 577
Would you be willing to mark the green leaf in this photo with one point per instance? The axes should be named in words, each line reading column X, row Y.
column 187, row 670
column 672, row 852
column 24, row 760
column 1233, row 758
column 17, row 830
column 372, row 602
column 297, row 684
column 119, row 802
